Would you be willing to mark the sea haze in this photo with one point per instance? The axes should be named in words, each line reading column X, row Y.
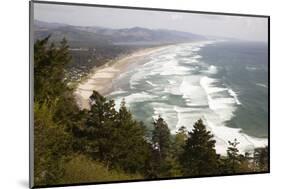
column 224, row 83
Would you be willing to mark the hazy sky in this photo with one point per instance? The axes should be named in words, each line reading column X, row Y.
column 245, row 28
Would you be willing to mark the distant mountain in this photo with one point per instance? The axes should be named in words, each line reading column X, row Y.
column 73, row 34
column 42, row 24
column 105, row 36
column 138, row 34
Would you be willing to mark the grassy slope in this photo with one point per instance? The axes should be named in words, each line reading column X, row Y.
column 81, row 169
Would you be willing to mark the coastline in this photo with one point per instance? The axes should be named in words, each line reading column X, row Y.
column 101, row 78
column 101, row 81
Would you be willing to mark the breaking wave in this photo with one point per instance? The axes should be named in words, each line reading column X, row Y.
column 180, row 87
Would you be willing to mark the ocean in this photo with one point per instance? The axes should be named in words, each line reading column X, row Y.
column 224, row 83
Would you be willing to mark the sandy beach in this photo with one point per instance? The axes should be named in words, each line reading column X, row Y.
column 101, row 78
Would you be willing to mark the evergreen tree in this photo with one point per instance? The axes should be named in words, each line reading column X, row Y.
column 49, row 70
column 261, row 159
column 180, row 139
column 50, row 86
column 100, row 128
column 131, row 152
column 178, row 142
column 235, row 162
column 115, row 137
column 199, row 156
column 52, row 141
column 233, row 158
column 161, row 145
column 161, row 137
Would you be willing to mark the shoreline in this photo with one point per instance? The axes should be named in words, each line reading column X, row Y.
column 101, row 78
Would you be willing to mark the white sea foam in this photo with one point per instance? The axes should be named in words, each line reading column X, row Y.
column 197, row 57
column 136, row 78
column 224, row 134
column 189, row 87
column 139, row 97
column 261, row 85
column 190, row 60
column 212, row 70
column 118, row 92
column 234, row 95
column 171, row 67
column 133, row 98
column 150, row 83
column 177, row 70
column 223, row 110
column 223, row 106
column 188, row 116
column 196, row 49
column 172, row 89
column 251, row 68
column 172, row 82
column 166, row 67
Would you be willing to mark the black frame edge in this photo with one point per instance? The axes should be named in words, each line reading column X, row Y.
column 148, row 180
column 268, row 56
column 31, row 116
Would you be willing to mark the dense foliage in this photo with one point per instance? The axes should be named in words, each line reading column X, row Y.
column 105, row 144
